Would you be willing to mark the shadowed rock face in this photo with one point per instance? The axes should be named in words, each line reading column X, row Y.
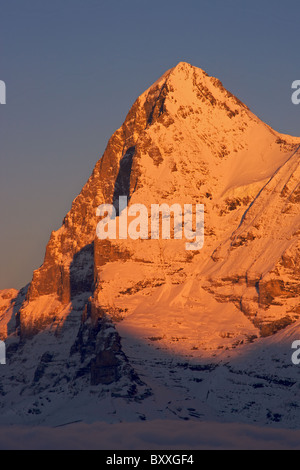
column 122, row 185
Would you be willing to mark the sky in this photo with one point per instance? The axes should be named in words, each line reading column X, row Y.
column 72, row 70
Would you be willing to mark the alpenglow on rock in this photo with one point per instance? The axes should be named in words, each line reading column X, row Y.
column 97, row 311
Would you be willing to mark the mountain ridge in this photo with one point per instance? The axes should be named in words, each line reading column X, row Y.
column 94, row 305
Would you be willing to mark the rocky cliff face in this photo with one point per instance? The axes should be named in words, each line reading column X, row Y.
column 186, row 140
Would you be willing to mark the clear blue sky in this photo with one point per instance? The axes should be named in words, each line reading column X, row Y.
column 73, row 68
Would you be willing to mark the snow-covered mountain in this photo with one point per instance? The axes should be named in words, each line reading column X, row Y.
column 120, row 330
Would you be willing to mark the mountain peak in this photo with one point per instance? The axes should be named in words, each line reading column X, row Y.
column 191, row 86
column 182, row 66
column 100, row 312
